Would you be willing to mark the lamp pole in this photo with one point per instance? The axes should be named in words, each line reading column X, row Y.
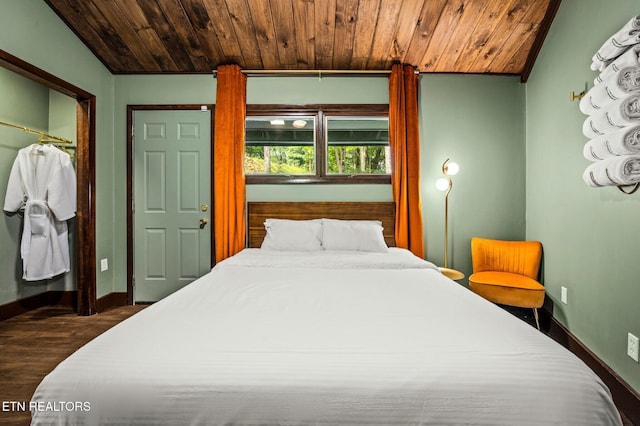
column 446, row 210
column 443, row 184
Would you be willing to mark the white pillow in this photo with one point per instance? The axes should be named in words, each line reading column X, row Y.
column 355, row 235
column 293, row 235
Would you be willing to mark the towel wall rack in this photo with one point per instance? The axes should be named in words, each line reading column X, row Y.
column 610, row 126
column 631, row 188
column 625, row 189
column 573, row 96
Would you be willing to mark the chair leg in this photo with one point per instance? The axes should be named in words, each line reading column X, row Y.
column 535, row 314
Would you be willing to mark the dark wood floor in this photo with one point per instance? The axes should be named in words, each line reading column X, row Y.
column 526, row 315
column 32, row 344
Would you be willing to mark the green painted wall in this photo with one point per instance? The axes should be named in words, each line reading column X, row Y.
column 477, row 122
column 31, row 31
column 62, row 116
column 590, row 235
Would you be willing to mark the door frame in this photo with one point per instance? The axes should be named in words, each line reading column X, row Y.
column 130, row 157
column 85, row 176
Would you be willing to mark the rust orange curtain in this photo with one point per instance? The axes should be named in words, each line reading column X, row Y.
column 228, row 154
column 404, row 140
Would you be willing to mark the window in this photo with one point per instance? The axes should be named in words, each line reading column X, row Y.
column 280, row 145
column 317, row 144
column 357, row 145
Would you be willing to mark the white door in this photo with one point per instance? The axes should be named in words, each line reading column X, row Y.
column 172, row 191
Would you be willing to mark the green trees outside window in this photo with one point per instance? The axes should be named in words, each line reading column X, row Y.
column 279, row 146
column 357, row 145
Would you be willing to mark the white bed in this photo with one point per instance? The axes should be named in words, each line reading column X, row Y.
column 324, row 338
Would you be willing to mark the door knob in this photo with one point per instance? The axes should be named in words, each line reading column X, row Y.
column 203, row 222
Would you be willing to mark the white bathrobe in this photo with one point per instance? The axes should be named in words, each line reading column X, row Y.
column 42, row 183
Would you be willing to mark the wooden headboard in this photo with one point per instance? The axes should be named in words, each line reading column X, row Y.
column 258, row 212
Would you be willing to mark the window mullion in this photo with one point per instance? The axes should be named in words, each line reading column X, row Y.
column 321, row 145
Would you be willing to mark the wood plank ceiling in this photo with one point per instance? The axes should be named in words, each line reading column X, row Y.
column 196, row 36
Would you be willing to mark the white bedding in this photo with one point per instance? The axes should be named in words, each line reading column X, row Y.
column 273, row 338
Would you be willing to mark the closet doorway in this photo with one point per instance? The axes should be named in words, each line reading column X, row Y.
column 85, row 175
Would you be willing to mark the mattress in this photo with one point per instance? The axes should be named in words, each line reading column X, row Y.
column 323, row 338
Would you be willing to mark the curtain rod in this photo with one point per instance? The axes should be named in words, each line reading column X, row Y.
column 44, row 137
column 312, row 72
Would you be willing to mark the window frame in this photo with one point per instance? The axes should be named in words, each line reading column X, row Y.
column 319, row 111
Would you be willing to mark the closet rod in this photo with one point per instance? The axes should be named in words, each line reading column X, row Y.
column 44, row 137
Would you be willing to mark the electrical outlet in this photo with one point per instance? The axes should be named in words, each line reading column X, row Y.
column 563, row 295
column 632, row 346
column 104, row 265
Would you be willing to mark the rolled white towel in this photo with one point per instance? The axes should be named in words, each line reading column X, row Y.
column 614, row 171
column 627, row 59
column 617, row 44
column 615, row 116
column 616, row 86
column 625, row 141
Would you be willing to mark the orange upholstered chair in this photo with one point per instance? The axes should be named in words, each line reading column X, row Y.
column 506, row 272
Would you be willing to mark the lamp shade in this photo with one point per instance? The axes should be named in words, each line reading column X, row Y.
column 452, row 169
column 442, row 184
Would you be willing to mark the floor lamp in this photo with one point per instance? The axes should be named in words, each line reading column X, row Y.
column 445, row 184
